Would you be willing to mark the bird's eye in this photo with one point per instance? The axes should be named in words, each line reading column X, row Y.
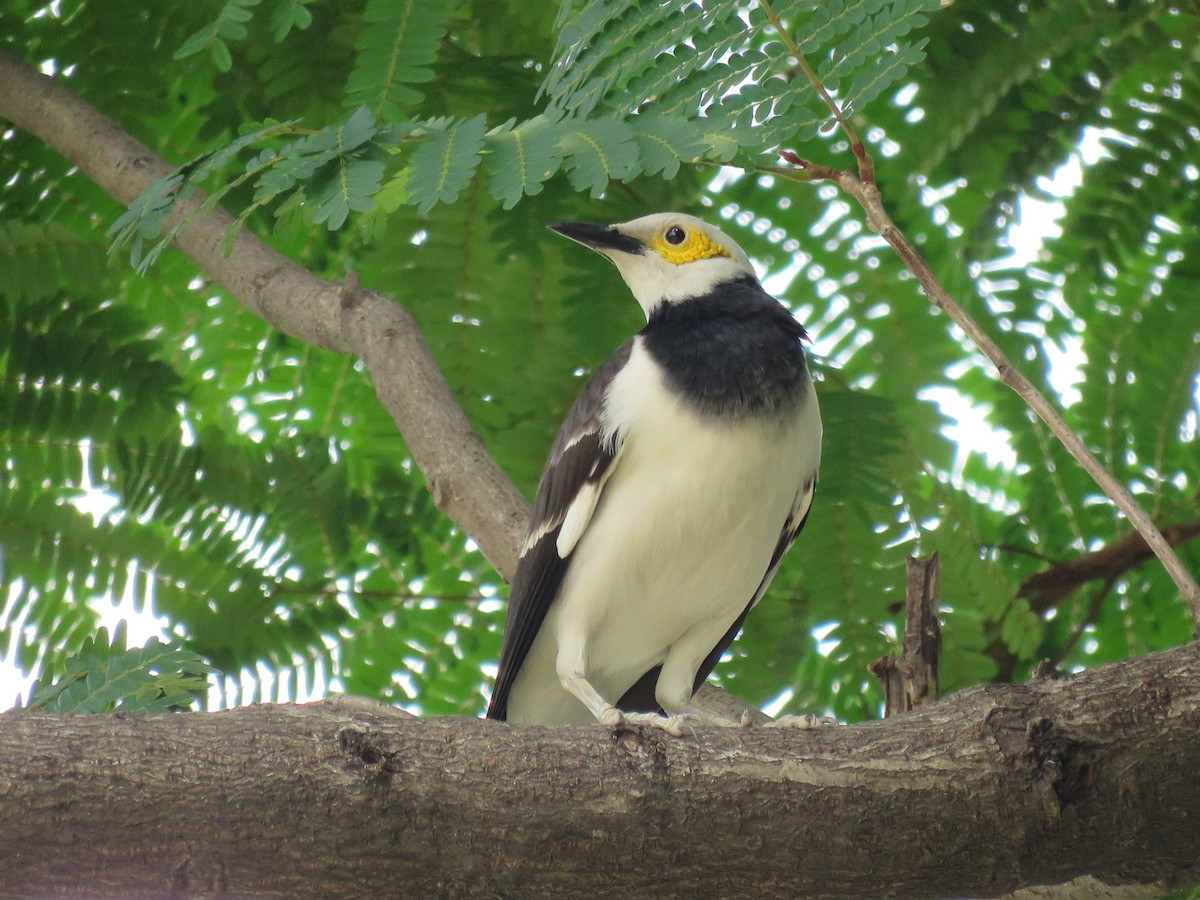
column 675, row 235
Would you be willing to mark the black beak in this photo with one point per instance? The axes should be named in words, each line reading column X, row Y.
column 601, row 238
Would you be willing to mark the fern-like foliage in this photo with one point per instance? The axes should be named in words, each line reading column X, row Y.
column 449, row 153
column 397, row 44
column 726, row 59
column 1025, row 85
column 521, row 158
column 256, row 560
column 730, row 88
column 109, row 676
column 231, row 27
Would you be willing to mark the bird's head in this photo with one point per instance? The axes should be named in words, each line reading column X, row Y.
column 664, row 257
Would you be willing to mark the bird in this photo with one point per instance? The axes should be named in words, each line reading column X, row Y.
column 678, row 480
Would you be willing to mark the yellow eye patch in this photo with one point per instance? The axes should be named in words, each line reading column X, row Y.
column 697, row 245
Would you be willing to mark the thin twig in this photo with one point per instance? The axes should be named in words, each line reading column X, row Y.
column 864, row 189
column 813, row 78
column 866, row 165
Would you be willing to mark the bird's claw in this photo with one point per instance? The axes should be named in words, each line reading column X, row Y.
column 805, row 721
column 677, row 726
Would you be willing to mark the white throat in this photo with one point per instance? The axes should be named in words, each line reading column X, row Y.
column 654, row 281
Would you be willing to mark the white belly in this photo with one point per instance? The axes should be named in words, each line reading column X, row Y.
column 676, row 548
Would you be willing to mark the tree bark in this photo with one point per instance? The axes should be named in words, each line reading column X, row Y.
column 993, row 789
column 914, row 680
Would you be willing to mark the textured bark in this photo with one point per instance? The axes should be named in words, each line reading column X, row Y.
column 990, row 790
column 914, row 680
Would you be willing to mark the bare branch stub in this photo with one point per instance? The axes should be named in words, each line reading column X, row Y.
column 913, row 680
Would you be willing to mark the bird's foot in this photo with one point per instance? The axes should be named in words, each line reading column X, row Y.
column 614, row 718
column 804, row 721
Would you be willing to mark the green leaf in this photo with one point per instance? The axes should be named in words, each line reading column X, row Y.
column 106, row 677
column 664, row 143
column 520, row 159
column 887, row 71
column 144, row 219
column 597, row 151
column 872, row 38
column 289, row 14
column 394, row 51
column 351, row 182
column 146, row 216
column 832, row 19
column 444, row 163
column 229, row 26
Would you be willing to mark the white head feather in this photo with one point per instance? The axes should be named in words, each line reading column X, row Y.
column 680, row 256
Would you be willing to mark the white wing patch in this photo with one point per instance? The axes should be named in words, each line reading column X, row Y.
column 579, row 513
column 538, row 533
column 804, row 498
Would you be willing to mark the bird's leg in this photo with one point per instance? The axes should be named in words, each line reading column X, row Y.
column 580, row 688
column 674, row 694
column 571, row 665
column 606, row 714
column 678, row 676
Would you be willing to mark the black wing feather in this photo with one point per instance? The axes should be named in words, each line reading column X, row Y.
column 579, row 455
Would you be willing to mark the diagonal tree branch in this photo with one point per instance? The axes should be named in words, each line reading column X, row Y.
column 1049, row 588
column 867, row 194
column 864, row 189
column 466, row 482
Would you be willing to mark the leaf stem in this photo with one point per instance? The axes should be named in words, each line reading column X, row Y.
column 866, row 165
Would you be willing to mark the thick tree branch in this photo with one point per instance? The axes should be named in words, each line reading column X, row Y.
column 992, row 789
column 467, row 484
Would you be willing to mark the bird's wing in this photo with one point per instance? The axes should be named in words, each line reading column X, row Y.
column 640, row 697
column 580, row 463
